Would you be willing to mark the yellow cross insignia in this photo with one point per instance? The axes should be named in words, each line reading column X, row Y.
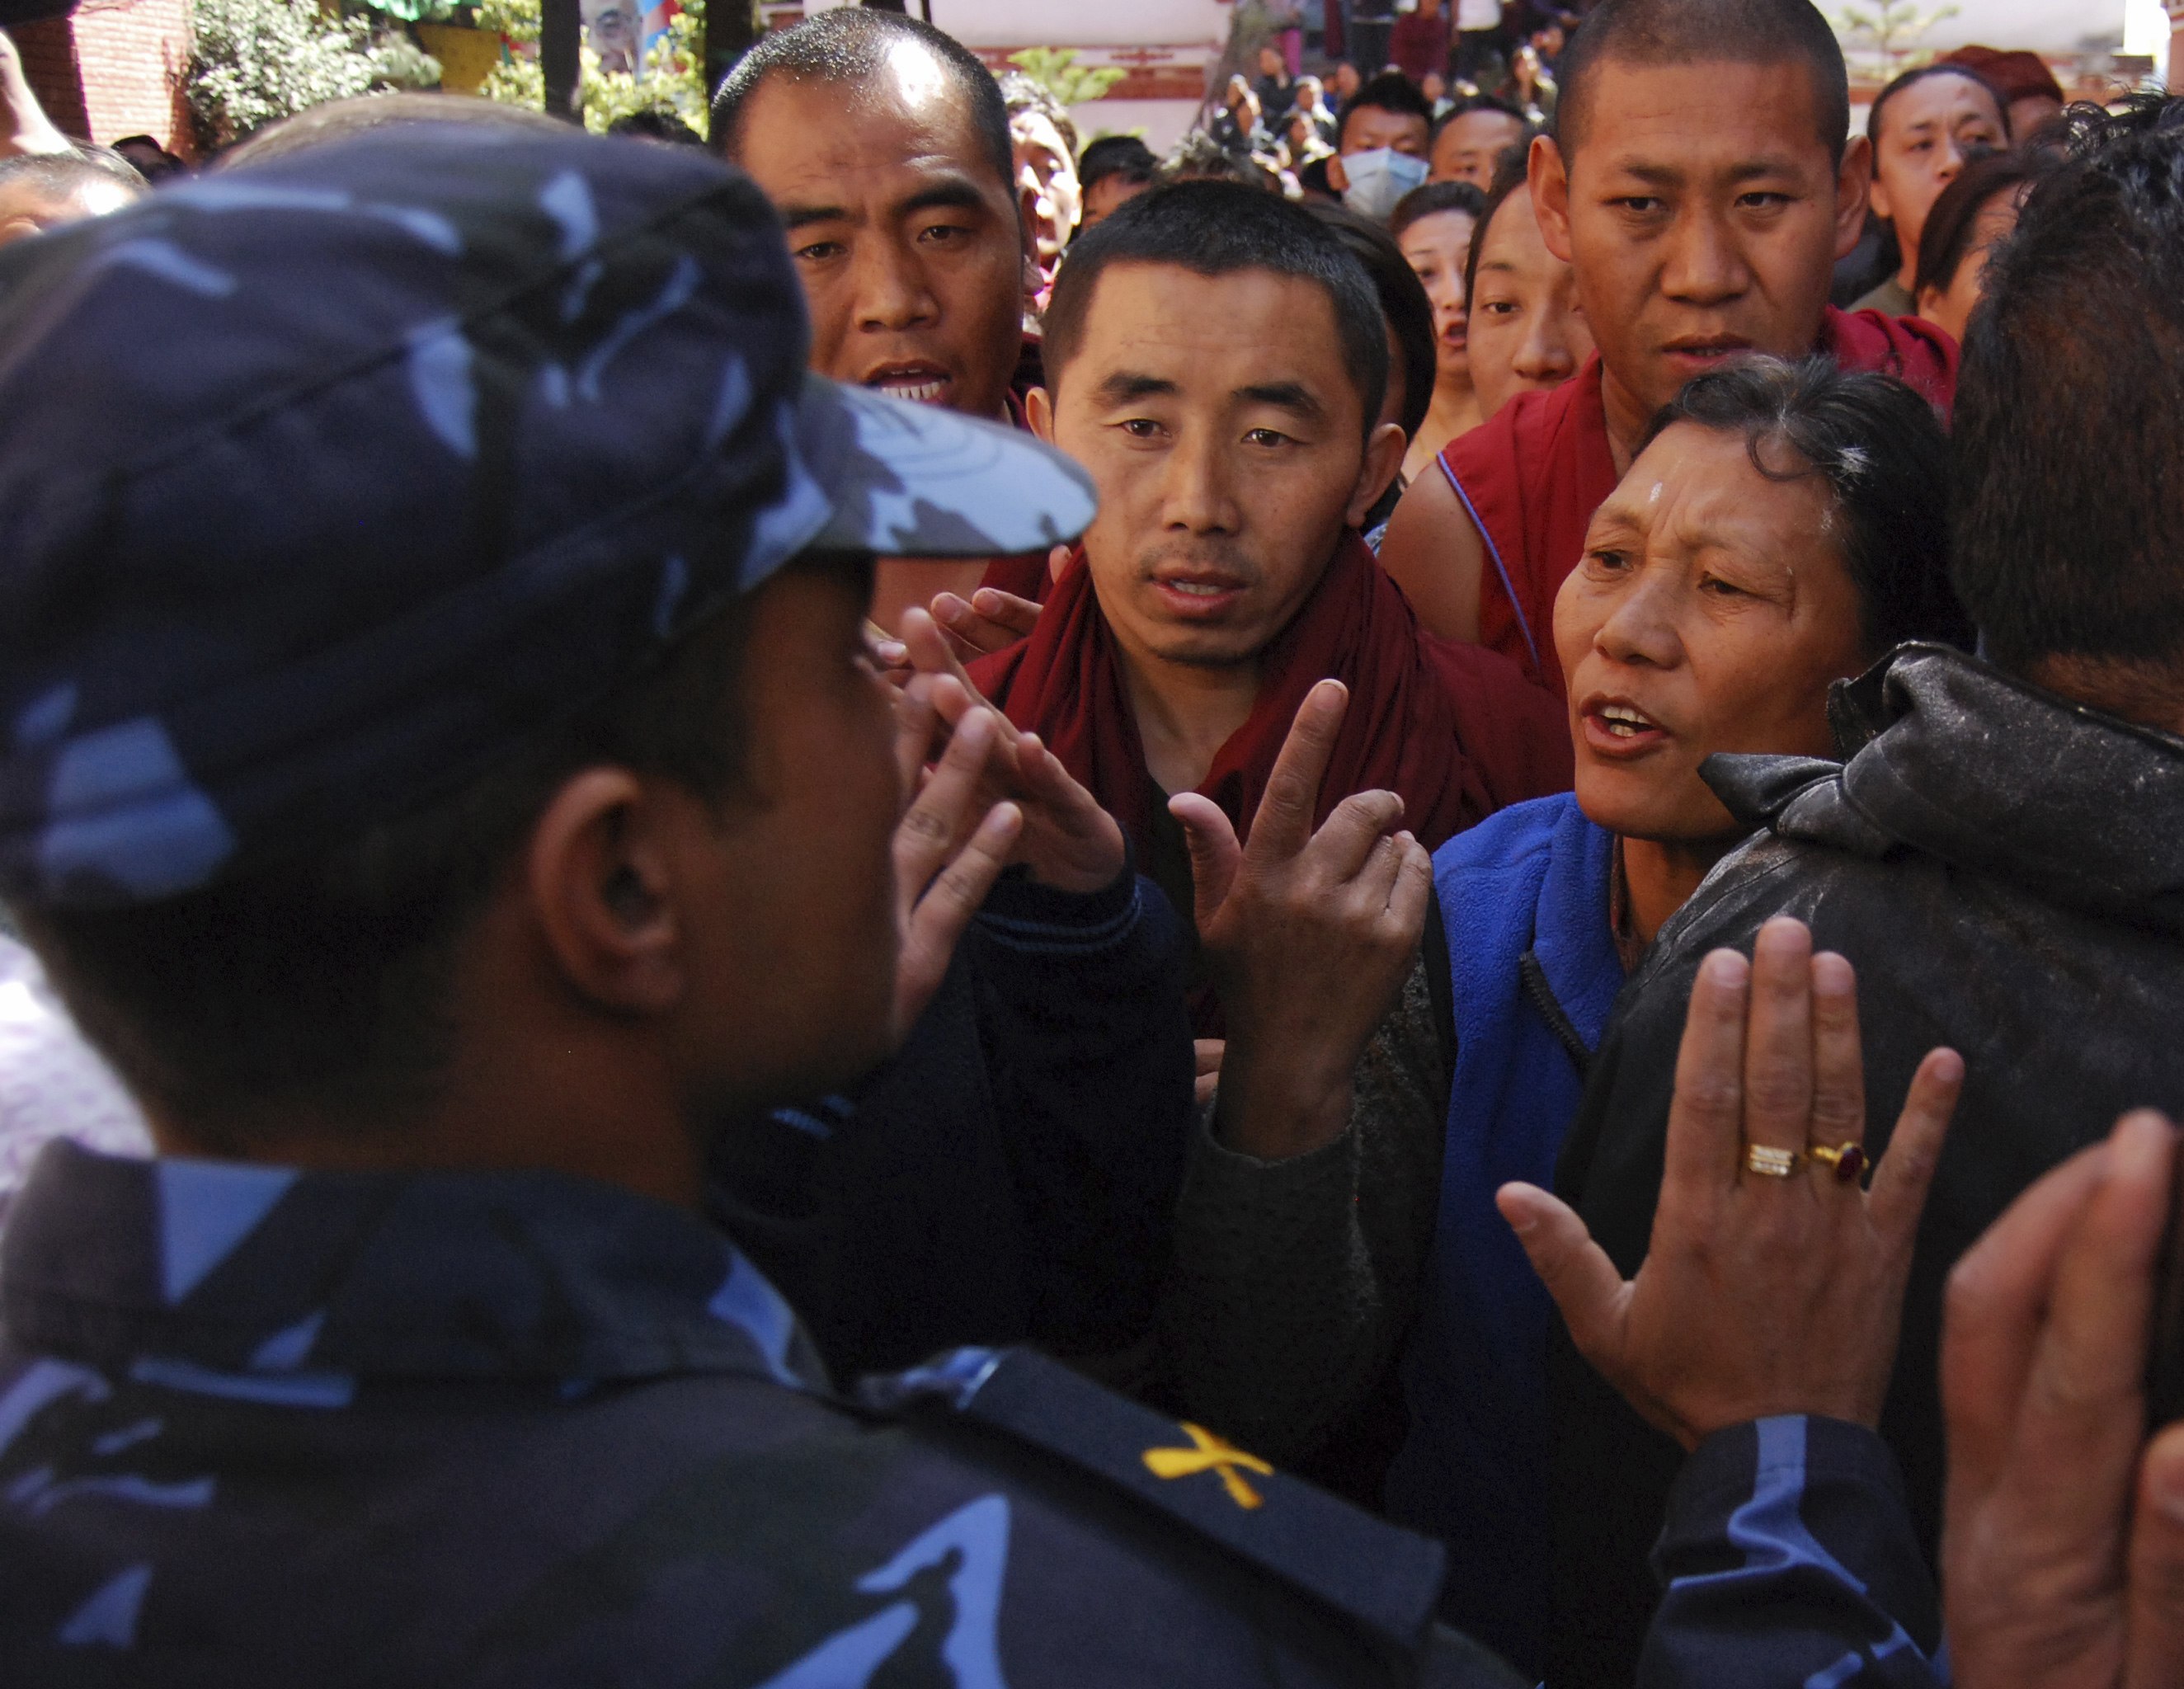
column 1209, row 1453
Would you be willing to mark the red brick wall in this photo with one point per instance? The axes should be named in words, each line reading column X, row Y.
column 114, row 67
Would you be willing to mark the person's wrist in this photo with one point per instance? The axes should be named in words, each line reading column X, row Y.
column 1277, row 1106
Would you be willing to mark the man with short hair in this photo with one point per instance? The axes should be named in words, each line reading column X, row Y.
column 463, row 800
column 885, row 146
column 1380, row 149
column 1115, row 169
column 1703, row 181
column 42, row 191
column 1998, row 857
column 1217, row 360
column 1469, row 144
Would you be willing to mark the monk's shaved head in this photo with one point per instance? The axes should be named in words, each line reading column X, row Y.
column 1703, row 32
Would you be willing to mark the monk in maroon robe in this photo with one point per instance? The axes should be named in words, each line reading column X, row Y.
column 1702, row 196
column 1216, row 360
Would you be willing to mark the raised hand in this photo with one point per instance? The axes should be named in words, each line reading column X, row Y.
column 990, row 620
column 1763, row 1292
column 1067, row 841
column 1307, row 935
column 949, row 846
column 2062, row 1539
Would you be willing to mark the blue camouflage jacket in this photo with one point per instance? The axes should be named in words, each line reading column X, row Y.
column 265, row 1427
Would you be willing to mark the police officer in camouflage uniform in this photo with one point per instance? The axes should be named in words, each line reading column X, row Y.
column 439, row 766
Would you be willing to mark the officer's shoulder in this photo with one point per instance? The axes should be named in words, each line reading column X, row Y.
column 1379, row 1580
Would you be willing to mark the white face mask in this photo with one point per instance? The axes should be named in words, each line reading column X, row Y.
column 1377, row 179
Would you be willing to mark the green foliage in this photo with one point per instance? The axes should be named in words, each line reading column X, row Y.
column 1888, row 31
column 673, row 77
column 1055, row 70
column 252, row 62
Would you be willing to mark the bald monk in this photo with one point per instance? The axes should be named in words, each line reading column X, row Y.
column 1702, row 181
column 884, row 145
column 1215, row 359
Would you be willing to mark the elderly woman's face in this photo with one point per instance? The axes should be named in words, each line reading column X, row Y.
column 1710, row 612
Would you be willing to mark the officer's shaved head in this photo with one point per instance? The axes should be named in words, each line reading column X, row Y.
column 1701, row 31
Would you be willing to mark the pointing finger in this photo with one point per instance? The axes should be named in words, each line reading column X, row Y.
column 1283, row 825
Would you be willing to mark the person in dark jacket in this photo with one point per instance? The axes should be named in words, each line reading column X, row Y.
column 1009, row 1176
column 2001, row 851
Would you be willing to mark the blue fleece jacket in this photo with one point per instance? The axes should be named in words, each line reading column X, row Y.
column 1533, row 975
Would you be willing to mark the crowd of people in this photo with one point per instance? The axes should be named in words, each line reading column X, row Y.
column 907, row 900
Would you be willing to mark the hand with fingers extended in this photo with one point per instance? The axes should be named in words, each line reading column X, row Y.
column 1307, row 936
column 949, row 846
column 1774, row 1282
column 2063, row 1532
column 990, row 619
column 1067, row 841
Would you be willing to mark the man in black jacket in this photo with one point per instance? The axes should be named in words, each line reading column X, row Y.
column 2001, row 855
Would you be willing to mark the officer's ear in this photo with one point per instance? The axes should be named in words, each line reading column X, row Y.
column 599, row 876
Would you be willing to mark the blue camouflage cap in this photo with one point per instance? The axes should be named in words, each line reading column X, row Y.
column 323, row 485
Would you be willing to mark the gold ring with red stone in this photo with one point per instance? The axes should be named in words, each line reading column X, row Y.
column 1847, row 1158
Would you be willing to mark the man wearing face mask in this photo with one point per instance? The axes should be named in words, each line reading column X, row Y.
column 1381, row 152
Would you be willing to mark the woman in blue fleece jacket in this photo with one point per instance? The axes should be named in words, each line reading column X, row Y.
column 1781, row 528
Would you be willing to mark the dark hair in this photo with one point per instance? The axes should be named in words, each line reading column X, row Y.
column 1477, row 103
column 62, row 175
column 1510, row 175
column 2070, row 417
column 1431, row 200
column 1021, row 94
column 1924, row 72
column 158, row 168
column 1389, row 91
column 1706, row 32
column 1217, row 228
column 1403, row 304
column 1122, row 155
column 327, row 980
column 1879, row 449
column 656, row 123
column 851, row 45
column 1954, row 218
column 1198, row 157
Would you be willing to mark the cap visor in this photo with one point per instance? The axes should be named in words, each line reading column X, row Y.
column 914, row 481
